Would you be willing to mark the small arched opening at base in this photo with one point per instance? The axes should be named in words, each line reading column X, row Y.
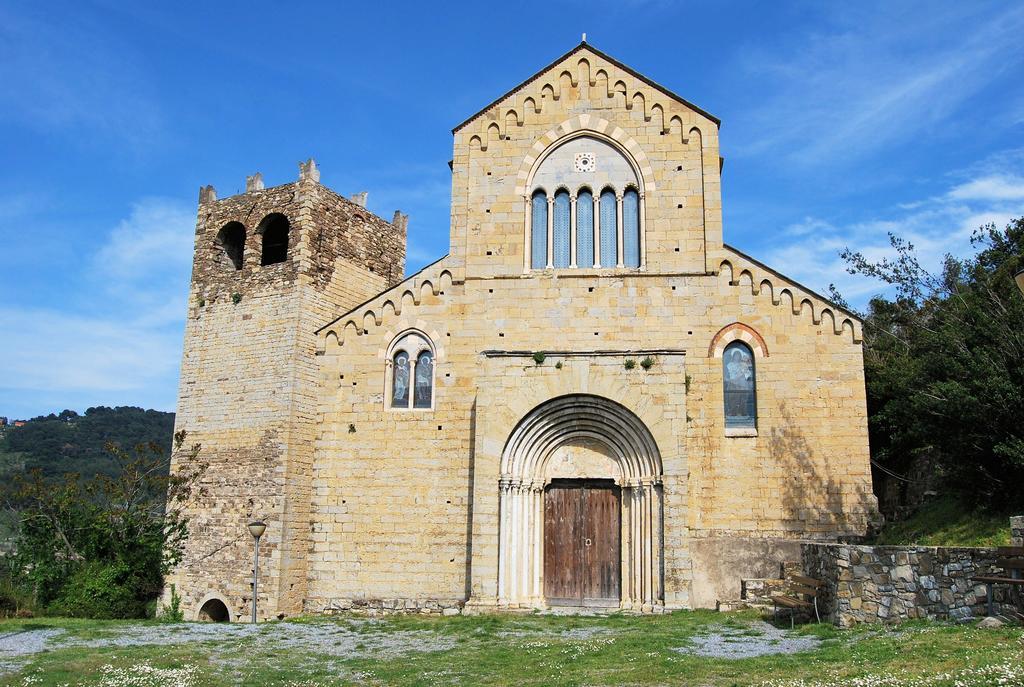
column 214, row 611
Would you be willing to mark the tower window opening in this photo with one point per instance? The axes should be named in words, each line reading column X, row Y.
column 274, row 229
column 231, row 238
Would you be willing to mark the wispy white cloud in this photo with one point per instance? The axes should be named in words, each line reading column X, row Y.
column 936, row 226
column 156, row 238
column 990, row 188
column 119, row 339
column 880, row 74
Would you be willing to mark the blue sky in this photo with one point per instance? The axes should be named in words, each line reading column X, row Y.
column 841, row 122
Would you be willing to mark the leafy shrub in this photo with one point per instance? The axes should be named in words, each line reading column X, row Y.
column 100, row 590
column 539, row 357
column 101, row 547
column 630, row 364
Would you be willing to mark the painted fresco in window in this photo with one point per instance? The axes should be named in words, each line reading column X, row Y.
column 424, row 380
column 539, row 222
column 400, row 381
column 740, row 386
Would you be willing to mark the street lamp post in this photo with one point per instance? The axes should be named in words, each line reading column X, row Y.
column 1019, row 278
column 256, row 529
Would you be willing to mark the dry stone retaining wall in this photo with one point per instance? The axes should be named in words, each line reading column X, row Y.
column 890, row 584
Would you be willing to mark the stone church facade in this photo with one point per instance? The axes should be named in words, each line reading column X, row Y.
column 592, row 400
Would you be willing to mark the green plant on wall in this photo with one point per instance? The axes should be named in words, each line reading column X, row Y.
column 558, row 365
column 647, row 363
column 236, row 298
column 630, row 363
column 539, row 357
column 686, row 381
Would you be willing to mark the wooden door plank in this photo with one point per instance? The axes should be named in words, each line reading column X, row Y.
column 562, row 543
column 601, row 552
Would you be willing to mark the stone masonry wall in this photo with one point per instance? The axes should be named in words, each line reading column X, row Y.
column 392, row 488
column 889, row 584
column 406, row 503
column 249, row 380
column 1017, row 530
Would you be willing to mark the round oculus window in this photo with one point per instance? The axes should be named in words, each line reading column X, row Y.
column 585, row 162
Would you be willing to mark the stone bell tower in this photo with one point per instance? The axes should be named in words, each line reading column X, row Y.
column 271, row 266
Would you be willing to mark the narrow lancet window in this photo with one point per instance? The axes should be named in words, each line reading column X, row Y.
column 400, row 381
column 560, row 230
column 631, row 228
column 424, row 380
column 740, row 386
column 539, row 229
column 609, row 229
column 585, row 229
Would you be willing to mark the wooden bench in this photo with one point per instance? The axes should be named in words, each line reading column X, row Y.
column 803, row 596
column 1011, row 560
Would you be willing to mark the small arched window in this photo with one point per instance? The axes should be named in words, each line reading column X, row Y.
column 631, row 228
column 539, row 229
column 274, row 229
column 585, row 228
column 739, row 386
column 412, row 372
column 231, row 239
column 609, row 229
column 560, row 230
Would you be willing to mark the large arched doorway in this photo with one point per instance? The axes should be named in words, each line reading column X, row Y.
column 580, row 519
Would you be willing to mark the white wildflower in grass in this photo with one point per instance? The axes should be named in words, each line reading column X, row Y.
column 145, row 675
column 1008, row 673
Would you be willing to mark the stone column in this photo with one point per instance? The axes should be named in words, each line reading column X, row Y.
column 572, row 230
column 643, row 231
column 528, row 244
column 1017, row 530
column 551, row 232
column 597, row 230
column 504, row 537
column 537, row 549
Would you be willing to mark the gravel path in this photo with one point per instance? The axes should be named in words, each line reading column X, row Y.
column 17, row 647
column 757, row 639
column 352, row 640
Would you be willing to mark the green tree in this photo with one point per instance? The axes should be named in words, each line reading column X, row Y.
column 944, row 365
column 102, row 546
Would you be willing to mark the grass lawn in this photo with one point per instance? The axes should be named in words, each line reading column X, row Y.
column 948, row 522
column 686, row 648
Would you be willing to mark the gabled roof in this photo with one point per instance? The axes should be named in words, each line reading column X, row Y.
column 607, row 58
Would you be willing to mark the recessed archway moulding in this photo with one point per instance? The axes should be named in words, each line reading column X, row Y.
column 586, row 125
column 580, row 436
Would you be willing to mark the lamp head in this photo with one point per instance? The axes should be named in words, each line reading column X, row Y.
column 257, row 528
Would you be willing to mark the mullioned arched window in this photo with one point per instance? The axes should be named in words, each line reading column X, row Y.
column 410, row 372
column 575, row 229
